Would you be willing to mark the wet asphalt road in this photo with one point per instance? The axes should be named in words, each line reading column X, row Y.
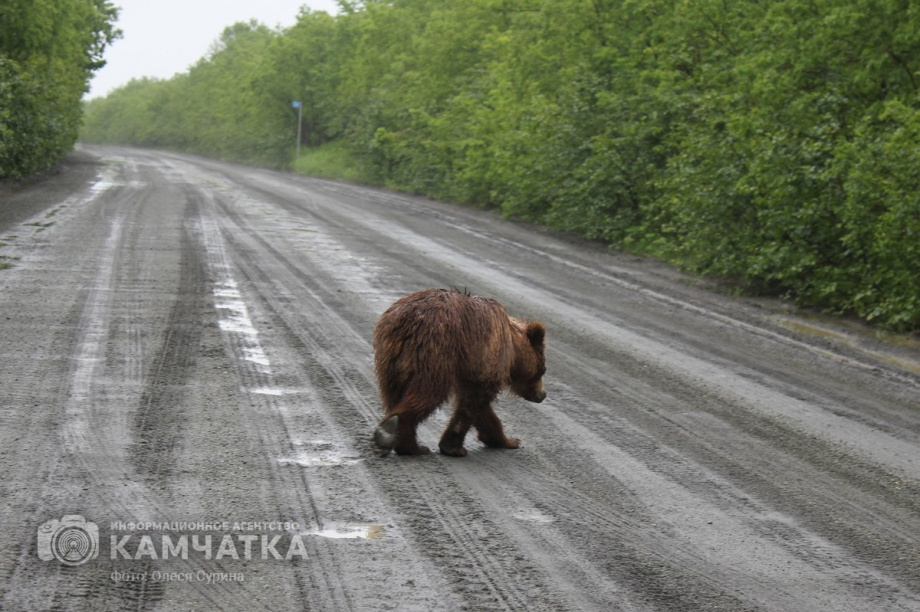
column 187, row 398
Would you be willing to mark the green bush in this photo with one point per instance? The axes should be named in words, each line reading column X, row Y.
column 880, row 218
column 48, row 52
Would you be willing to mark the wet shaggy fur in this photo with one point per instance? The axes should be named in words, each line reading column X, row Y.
column 438, row 343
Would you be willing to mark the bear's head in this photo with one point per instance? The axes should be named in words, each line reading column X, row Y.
column 529, row 362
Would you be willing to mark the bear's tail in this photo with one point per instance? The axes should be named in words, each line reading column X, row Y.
column 385, row 436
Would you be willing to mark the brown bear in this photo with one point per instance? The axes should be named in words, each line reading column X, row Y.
column 440, row 343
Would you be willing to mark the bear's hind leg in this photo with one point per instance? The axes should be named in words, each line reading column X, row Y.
column 397, row 432
column 406, row 441
column 411, row 410
column 451, row 443
column 384, row 438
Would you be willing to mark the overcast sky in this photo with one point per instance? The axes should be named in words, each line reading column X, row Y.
column 163, row 37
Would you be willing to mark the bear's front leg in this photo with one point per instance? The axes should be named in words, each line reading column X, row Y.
column 491, row 432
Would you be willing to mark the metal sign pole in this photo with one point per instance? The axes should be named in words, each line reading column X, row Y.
column 299, row 108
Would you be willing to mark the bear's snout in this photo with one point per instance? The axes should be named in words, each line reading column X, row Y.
column 537, row 394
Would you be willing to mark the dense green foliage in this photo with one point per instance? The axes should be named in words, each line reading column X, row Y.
column 48, row 52
column 773, row 143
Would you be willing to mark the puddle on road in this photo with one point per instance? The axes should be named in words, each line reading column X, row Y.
column 267, row 391
column 349, row 531
column 235, row 319
column 107, row 180
column 532, row 515
column 320, row 453
column 276, row 391
column 256, row 355
column 308, row 459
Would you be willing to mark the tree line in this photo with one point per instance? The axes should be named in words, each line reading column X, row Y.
column 775, row 144
column 48, row 52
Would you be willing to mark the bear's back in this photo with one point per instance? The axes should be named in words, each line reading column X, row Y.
column 434, row 331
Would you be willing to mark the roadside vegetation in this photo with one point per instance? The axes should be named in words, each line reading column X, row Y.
column 774, row 144
column 48, row 52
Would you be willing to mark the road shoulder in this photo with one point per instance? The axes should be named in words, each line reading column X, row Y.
column 27, row 197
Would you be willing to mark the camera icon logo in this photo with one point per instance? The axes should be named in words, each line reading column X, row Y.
column 73, row 540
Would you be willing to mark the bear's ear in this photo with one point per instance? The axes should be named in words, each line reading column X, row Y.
column 536, row 334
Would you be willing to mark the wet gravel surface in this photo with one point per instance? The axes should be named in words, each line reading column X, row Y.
column 187, row 398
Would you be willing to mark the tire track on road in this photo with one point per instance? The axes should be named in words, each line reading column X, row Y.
column 296, row 496
column 93, row 425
